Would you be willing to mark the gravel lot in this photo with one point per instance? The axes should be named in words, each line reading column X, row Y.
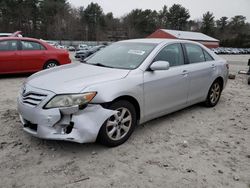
column 195, row 147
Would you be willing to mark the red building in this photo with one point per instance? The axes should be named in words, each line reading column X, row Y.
column 186, row 35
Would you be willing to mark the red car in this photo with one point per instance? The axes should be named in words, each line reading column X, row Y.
column 26, row 55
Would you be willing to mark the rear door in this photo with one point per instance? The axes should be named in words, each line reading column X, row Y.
column 33, row 56
column 9, row 56
column 200, row 69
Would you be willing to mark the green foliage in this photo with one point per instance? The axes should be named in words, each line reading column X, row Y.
column 163, row 17
column 237, row 23
column 177, row 17
column 208, row 24
column 234, row 32
column 141, row 23
column 94, row 18
column 57, row 19
column 222, row 23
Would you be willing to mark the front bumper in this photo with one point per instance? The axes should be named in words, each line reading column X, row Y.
column 70, row 124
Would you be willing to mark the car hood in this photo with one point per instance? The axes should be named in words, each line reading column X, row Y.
column 73, row 78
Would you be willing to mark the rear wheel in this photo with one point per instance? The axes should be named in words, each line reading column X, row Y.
column 214, row 94
column 119, row 127
column 50, row 64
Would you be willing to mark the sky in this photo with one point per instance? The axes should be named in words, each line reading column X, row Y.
column 196, row 8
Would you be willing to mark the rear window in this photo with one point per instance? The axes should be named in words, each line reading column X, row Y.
column 8, row 45
column 30, row 45
column 208, row 57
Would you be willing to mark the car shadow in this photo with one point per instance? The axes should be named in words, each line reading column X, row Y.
column 59, row 147
column 20, row 75
column 173, row 115
column 88, row 148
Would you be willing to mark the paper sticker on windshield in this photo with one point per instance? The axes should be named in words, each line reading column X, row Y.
column 136, row 52
column 132, row 66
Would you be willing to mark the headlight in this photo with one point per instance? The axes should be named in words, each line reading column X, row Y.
column 70, row 100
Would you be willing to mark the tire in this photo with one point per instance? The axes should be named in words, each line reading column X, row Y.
column 214, row 94
column 115, row 131
column 249, row 81
column 50, row 64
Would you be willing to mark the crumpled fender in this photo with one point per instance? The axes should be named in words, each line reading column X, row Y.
column 88, row 122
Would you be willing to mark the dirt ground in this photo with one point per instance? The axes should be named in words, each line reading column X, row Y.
column 195, row 147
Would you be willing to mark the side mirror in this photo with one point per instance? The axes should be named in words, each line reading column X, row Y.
column 159, row 65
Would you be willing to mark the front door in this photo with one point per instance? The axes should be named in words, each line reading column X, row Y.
column 9, row 56
column 166, row 91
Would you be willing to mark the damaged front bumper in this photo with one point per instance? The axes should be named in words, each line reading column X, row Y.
column 70, row 124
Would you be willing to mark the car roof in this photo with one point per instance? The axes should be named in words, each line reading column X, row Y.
column 48, row 46
column 18, row 38
column 157, row 40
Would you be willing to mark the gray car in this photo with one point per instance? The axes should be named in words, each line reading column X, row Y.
column 126, row 84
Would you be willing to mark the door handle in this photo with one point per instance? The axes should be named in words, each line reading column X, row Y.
column 213, row 66
column 184, row 72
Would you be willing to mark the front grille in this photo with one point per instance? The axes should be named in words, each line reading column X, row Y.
column 33, row 99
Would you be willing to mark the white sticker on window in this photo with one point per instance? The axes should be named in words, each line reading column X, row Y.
column 132, row 66
column 136, row 52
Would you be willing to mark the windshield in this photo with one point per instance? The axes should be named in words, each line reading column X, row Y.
column 122, row 55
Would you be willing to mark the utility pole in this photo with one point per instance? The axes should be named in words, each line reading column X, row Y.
column 87, row 33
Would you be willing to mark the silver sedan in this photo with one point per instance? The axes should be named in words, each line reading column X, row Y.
column 126, row 84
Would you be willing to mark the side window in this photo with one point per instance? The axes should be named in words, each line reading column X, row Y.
column 29, row 45
column 195, row 53
column 8, row 45
column 208, row 57
column 171, row 53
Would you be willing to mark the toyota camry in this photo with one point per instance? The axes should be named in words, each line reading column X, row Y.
column 126, row 84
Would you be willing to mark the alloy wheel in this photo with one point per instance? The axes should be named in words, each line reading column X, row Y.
column 51, row 65
column 215, row 93
column 119, row 124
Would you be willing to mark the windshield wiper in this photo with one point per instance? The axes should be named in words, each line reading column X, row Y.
column 83, row 61
column 100, row 65
column 95, row 64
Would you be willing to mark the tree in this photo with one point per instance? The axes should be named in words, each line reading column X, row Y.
column 237, row 23
column 6, row 14
column 222, row 23
column 222, row 30
column 208, row 24
column 178, row 17
column 140, row 23
column 163, row 17
column 58, row 20
column 19, row 15
column 113, row 28
column 194, row 25
column 95, row 18
column 53, row 13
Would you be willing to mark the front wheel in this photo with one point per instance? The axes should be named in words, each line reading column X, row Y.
column 214, row 94
column 119, row 127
